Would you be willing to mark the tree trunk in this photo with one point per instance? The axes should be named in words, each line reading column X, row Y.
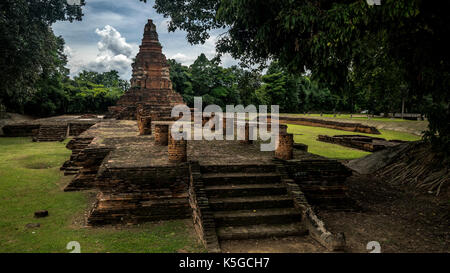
column 403, row 107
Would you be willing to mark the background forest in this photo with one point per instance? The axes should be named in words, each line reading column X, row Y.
column 322, row 56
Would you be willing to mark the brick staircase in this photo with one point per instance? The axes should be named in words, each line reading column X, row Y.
column 76, row 145
column 51, row 133
column 250, row 201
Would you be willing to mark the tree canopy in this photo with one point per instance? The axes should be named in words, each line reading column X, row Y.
column 29, row 51
column 400, row 46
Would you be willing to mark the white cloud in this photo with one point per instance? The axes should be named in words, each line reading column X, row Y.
column 112, row 41
column 68, row 51
column 189, row 56
column 113, row 53
column 164, row 26
column 97, row 41
column 183, row 59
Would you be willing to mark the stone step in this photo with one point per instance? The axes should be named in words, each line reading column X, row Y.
column 51, row 133
column 240, row 178
column 233, row 190
column 261, row 231
column 251, row 203
column 238, row 168
column 256, row 217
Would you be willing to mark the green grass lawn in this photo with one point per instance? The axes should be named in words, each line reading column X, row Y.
column 30, row 180
column 355, row 117
column 309, row 137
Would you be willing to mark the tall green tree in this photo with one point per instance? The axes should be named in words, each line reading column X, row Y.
column 324, row 37
column 215, row 84
column 29, row 51
column 247, row 83
column 88, row 92
column 279, row 88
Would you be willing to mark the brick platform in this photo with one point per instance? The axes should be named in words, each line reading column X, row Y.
column 51, row 129
column 365, row 143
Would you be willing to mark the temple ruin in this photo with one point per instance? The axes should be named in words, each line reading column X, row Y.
column 150, row 82
column 230, row 189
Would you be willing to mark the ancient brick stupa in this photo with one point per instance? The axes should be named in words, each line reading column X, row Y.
column 151, row 86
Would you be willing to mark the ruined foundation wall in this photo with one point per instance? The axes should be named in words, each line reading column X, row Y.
column 364, row 143
column 322, row 181
column 20, row 130
column 201, row 212
column 345, row 126
column 135, row 195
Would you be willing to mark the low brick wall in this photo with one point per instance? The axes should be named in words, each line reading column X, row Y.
column 76, row 129
column 76, row 145
column 135, row 195
column 20, row 130
column 201, row 212
column 168, row 180
column 135, row 208
column 364, row 143
column 346, row 126
column 53, row 132
column 323, row 182
column 89, row 161
column 315, row 227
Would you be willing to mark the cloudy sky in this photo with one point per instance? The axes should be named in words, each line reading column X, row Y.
column 110, row 33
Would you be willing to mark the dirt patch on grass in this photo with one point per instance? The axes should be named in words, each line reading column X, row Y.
column 37, row 162
column 401, row 220
column 38, row 165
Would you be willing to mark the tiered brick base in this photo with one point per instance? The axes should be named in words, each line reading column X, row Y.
column 139, row 181
column 139, row 194
column 88, row 161
column 76, row 145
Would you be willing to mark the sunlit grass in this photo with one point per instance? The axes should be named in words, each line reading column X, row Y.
column 30, row 180
column 354, row 117
column 308, row 135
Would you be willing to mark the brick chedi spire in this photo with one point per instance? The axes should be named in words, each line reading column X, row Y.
column 150, row 83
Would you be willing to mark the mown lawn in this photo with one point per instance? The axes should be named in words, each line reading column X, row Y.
column 308, row 135
column 354, row 117
column 30, row 180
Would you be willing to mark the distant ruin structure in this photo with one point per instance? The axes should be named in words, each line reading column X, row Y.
column 150, row 83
